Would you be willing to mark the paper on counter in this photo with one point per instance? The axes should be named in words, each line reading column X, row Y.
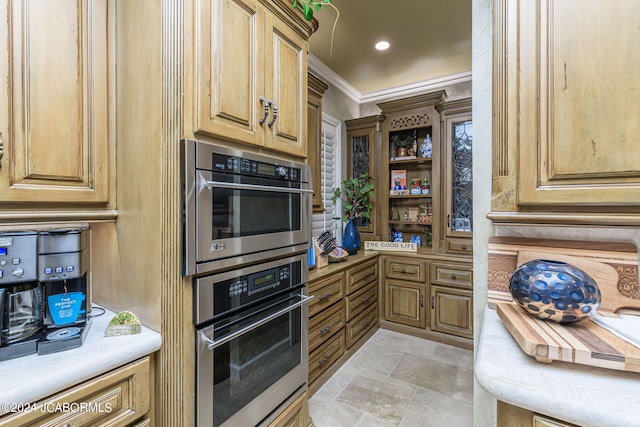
column 626, row 326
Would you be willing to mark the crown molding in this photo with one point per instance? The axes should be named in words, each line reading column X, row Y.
column 322, row 70
column 319, row 67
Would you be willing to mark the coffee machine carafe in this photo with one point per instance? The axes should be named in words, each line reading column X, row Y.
column 21, row 308
column 63, row 262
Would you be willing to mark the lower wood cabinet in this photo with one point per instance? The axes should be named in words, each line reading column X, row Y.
column 295, row 415
column 405, row 303
column 432, row 295
column 121, row 397
column 343, row 311
column 452, row 311
column 324, row 356
column 514, row 416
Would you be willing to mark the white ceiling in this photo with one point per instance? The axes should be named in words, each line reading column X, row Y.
column 430, row 40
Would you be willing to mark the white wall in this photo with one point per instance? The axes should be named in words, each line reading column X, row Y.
column 484, row 406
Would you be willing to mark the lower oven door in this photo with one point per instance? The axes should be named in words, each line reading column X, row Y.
column 249, row 364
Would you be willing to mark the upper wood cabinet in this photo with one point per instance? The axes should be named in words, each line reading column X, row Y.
column 565, row 130
column 314, row 140
column 364, row 136
column 251, row 76
column 57, row 68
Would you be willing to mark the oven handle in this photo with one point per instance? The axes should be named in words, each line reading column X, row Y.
column 233, row 185
column 211, row 344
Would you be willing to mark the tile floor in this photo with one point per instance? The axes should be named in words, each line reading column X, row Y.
column 398, row 380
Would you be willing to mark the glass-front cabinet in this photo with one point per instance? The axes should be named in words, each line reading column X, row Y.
column 364, row 136
column 410, row 182
column 457, row 177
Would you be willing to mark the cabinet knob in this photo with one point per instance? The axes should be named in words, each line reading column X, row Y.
column 326, row 329
column 453, row 277
column 433, row 302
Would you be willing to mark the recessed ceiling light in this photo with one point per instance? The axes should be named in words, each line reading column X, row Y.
column 382, row 45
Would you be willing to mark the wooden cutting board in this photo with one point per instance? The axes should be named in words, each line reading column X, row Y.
column 582, row 342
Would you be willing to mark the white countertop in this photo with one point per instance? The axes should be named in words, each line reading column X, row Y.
column 580, row 394
column 29, row 378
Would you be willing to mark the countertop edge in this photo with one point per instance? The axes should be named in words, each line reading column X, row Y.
column 580, row 394
column 31, row 378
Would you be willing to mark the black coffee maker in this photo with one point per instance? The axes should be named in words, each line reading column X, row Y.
column 21, row 302
column 63, row 262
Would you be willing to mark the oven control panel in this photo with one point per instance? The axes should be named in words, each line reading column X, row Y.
column 242, row 166
column 244, row 289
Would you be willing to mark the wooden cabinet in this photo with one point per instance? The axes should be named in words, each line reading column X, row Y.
column 429, row 296
column 120, row 397
column 56, row 118
column 513, row 416
column 295, row 415
column 252, row 76
column 341, row 314
column 411, row 213
column 457, row 176
column 565, row 126
column 451, row 293
column 405, row 303
column 405, row 291
column 314, row 139
column 364, row 136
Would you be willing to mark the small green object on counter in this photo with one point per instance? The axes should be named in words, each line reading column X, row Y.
column 123, row 323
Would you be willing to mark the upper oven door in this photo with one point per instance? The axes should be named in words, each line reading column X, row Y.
column 235, row 216
column 240, row 217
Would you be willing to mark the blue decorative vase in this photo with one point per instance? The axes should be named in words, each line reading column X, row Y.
column 351, row 238
column 555, row 290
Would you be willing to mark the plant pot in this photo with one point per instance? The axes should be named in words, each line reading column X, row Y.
column 401, row 152
column 351, row 238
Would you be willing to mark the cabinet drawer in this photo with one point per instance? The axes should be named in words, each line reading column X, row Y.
column 362, row 299
column 405, row 269
column 452, row 275
column 117, row 398
column 325, row 324
column 361, row 324
column 325, row 355
column 326, row 292
column 358, row 277
column 461, row 246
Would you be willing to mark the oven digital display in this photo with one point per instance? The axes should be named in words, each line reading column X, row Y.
column 258, row 281
column 266, row 169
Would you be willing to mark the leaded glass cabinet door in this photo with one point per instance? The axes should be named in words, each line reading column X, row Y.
column 363, row 136
column 458, row 177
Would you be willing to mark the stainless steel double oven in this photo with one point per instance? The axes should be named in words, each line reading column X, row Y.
column 246, row 231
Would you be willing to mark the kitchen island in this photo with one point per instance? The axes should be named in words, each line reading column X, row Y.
column 584, row 395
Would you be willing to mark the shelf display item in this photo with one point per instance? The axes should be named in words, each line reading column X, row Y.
column 398, row 182
column 425, row 186
column 416, row 239
column 416, row 186
column 426, row 148
column 413, row 214
column 397, row 237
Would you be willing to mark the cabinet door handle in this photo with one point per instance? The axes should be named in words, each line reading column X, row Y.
column 365, row 300
column 367, row 322
column 267, row 103
column 324, row 297
column 326, row 329
column 453, row 277
column 275, row 113
column 448, row 221
column 421, row 301
column 433, row 302
column 1, row 149
column 370, row 273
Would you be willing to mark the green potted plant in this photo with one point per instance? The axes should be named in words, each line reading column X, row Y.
column 403, row 144
column 356, row 195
